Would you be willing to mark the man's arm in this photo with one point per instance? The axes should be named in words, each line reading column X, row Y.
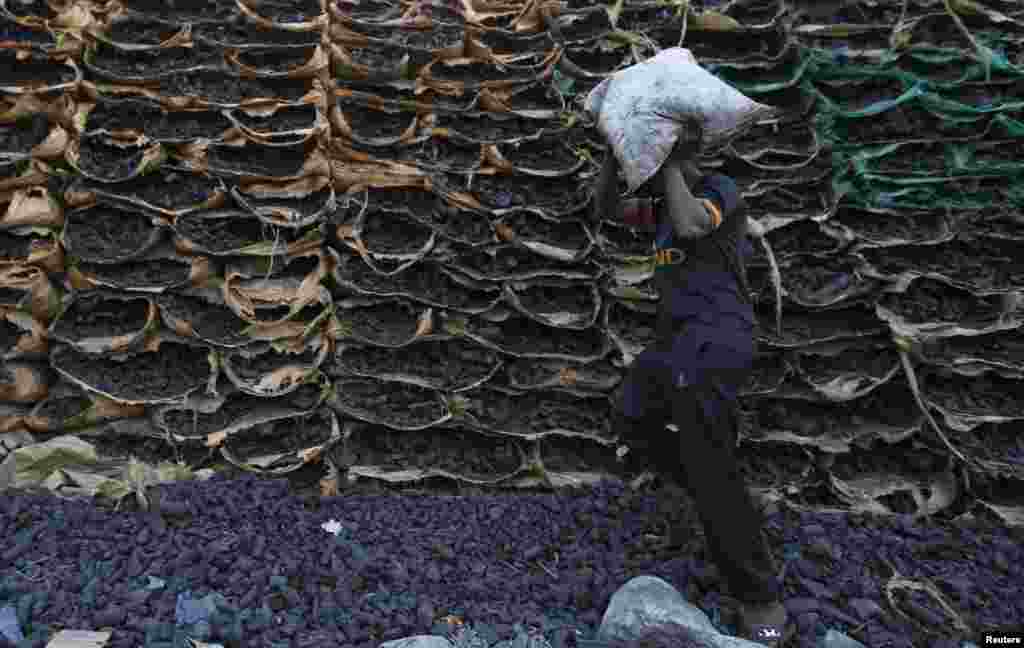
column 690, row 218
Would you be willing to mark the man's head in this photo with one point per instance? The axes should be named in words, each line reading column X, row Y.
column 687, row 150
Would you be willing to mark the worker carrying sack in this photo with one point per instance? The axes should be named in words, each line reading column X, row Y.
column 643, row 109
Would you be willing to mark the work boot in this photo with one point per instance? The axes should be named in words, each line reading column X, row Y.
column 766, row 623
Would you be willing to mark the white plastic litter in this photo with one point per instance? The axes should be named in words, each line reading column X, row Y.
column 642, row 110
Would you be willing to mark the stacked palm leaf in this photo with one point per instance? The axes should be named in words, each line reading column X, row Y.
column 353, row 237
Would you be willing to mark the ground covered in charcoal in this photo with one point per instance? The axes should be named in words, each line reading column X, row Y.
column 403, row 560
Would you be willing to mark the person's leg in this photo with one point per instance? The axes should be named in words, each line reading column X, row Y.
column 732, row 524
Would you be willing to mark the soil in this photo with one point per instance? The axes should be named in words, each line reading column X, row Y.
column 253, row 369
column 560, row 454
column 169, row 188
column 796, row 138
column 810, row 327
column 821, row 282
column 278, row 59
column 804, row 236
column 283, row 436
column 996, row 442
column 769, row 372
column 130, row 114
column 487, row 130
column 9, row 296
column 159, row 273
column 12, row 31
column 104, row 161
column 475, row 73
column 921, row 226
column 9, row 336
column 553, row 194
column 305, row 315
column 239, row 32
column 224, row 88
column 307, row 206
column 34, row 72
column 138, row 30
column 874, row 362
column 378, row 58
column 632, row 325
column 92, row 316
column 184, row 11
column 172, row 371
column 189, row 125
column 541, row 299
column 385, row 233
column 593, row 25
column 57, row 410
column 984, row 395
column 519, row 335
column 415, row 202
column 459, row 452
column 460, row 225
column 539, row 96
column 998, row 153
column 30, row 9
column 513, row 43
column 446, row 366
column 390, row 403
column 150, row 64
column 195, row 424
column 1003, row 346
column 15, row 248
column 929, row 301
column 20, row 138
column 368, row 123
column 903, row 122
column 104, row 232
column 256, row 159
column 284, row 120
column 372, row 10
column 443, row 153
column 536, row 412
column 1006, row 223
column 549, row 153
column 510, row 261
column 423, row 282
column 386, row 323
column 289, row 11
column 226, row 234
column 984, row 265
column 211, row 322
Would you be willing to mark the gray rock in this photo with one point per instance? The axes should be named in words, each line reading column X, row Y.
column 646, row 602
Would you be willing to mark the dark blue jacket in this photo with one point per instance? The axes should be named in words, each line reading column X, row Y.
column 706, row 320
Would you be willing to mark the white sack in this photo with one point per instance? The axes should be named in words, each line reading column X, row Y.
column 641, row 110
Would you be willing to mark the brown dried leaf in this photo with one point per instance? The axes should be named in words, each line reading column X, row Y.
column 216, row 439
column 505, row 233
column 567, row 376
column 111, row 409
column 425, row 325
column 53, row 146
column 311, row 455
column 28, row 386
column 329, row 487
column 32, row 207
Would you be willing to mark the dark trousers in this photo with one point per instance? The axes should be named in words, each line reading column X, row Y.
column 701, row 458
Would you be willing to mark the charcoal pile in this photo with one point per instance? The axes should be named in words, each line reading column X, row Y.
column 263, row 235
